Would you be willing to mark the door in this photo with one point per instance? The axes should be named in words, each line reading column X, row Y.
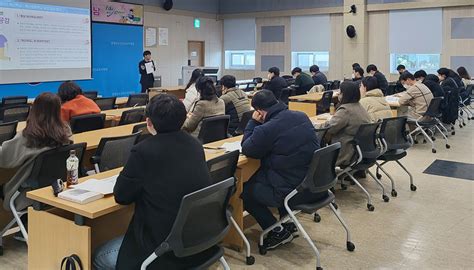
column 196, row 53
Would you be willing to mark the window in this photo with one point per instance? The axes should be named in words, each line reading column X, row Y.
column 415, row 61
column 240, row 60
column 306, row 59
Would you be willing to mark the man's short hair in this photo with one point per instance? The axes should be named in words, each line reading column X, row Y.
column 371, row 67
column 443, row 71
column 166, row 112
column 228, row 81
column 314, row 68
column 370, row 82
column 359, row 70
column 296, row 70
column 263, row 100
column 145, row 53
column 406, row 75
column 400, row 67
column 274, row 70
column 355, row 65
column 420, row 74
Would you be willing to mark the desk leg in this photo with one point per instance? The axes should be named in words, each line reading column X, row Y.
column 306, row 107
column 243, row 174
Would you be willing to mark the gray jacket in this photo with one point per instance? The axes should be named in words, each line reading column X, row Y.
column 203, row 109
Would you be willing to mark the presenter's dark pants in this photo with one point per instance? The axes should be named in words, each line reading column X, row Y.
column 146, row 86
column 258, row 197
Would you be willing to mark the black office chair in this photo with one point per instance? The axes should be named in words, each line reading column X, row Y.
column 396, row 141
column 321, row 133
column 284, row 95
column 367, row 149
column 113, row 152
column 246, row 116
column 47, row 167
column 465, row 102
column 14, row 100
column 90, row 94
column 201, row 224
column 214, row 128
column 7, row 131
column 327, row 86
column 144, row 133
column 106, row 103
column 137, row 100
column 221, row 168
column 335, row 85
column 12, row 113
column 321, row 177
column 250, row 87
column 132, row 116
column 87, row 122
column 325, row 103
column 257, row 80
column 289, row 79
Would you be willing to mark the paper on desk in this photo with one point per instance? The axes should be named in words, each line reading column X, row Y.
column 229, row 147
column 391, row 99
column 104, row 186
column 149, row 67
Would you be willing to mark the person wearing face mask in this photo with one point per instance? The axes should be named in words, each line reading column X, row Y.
column 431, row 81
column 236, row 102
column 275, row 83
column 160, row 171
column 358, row 74
column 417, row 96
column 284, row 141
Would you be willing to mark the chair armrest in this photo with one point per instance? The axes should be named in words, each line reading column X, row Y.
column 95, row 159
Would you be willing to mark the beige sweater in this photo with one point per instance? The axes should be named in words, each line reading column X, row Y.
column 201, row 110
column 375, row 104
column 417, row 98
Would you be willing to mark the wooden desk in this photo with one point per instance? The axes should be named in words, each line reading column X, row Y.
column 397, row 109
column 307, row 103
column 120, row 101
column 92, row 138
column 179, row 91
column 73, row 228
column 115, row 114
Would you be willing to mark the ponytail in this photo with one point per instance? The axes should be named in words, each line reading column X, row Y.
column 206, row 88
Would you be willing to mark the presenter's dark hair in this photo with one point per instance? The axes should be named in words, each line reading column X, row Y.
column 420, row 74
column 359, row 70
column 370, row 83
column 228, row 81
column 206, row 88
column 314, row 68
column 296, row 70
column 371, row 67
column 462, row 71
column 145, row 53
column 44, row 126
column 406, row 75
column 166, row 112
column 263, row 100
column 275, row 71
column 350, row 92
column 197, row 73
column 69, row 90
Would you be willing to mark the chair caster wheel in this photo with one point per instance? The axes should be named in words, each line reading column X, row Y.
column 370, row 207
column 433, row 139
column 343, row 187
column 379, row 176
column 415, row 142
column 460, row 126
column 394, row 193
column 448, row 146
column 317, row 218
column 424, row 141
column 453, row 133
column 413, row 187
column 262, row 250
column 350, row 246
column 1, row 250
column 335, row 205
column 464, row 124
column 319, row 268
column 385, row 198
column 250, row 260
column 433, row 151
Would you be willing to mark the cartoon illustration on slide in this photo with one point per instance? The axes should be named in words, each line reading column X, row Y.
column 3, row 46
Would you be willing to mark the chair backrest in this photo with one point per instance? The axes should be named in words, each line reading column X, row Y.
column 14, row 113
column 393, row 131
column 202, row 220
column 250, row 87
column 257, row 80
column 434, row 109
column 14, row 100
column 327, row 85
column 87, row 122
column 289, row 79
column 246, row 116
column 132, row 116
column 51, row 165
column 7, row 131
column 366, row 139
column 90, row 94
column 321, row 133
column 284, row 95
column 106, row 103
column 145, row 134
column 137, row 100
column 223, row 167
column 335, row 85
column 326, row 100
column 113, row 152
column 321, row 175
column 214, row 128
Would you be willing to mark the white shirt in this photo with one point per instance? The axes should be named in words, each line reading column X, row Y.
column 191, row 97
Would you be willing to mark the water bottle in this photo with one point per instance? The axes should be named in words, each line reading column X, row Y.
column 332, row 109
column 72, row 168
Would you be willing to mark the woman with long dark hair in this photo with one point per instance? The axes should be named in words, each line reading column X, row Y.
column 466, row 78
column 192, row 94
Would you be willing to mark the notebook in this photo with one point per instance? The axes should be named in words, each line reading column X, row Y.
column 80, row 196
column 104, row 186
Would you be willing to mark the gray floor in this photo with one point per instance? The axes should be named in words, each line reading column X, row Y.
column 431, row 228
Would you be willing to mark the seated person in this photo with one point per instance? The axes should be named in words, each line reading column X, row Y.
column 208, row 105
column 383, row 83
column 275, row 83
column 318, row 77
column 448, row 80
column 303, row 81
column 358, row 74
column 373, row 101
column 465, row 77
column 431, row 81
column 401, row 69
column 73, row 102
column 284, row 141
column 236, row 102
column 192, row 95
column 345, row 123
column 417, row 96
column 159, row 173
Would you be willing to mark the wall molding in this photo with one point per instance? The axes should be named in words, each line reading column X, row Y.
column 180, row 12
column 284, row 13
column 417, row 5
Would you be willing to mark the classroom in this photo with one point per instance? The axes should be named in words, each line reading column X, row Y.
column 224, row 134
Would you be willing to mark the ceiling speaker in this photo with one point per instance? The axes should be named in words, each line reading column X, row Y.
column 168, row 5
column 351, row 31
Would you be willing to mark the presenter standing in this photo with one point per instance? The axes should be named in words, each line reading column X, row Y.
column 146, row 67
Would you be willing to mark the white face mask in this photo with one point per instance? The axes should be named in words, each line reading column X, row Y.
column 353, row 76
column 406, row 86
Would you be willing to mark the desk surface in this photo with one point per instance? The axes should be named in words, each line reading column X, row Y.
column 92, row 138
column 118, row 101
column 168, row 88
column 107, row 204
column 314, row 97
